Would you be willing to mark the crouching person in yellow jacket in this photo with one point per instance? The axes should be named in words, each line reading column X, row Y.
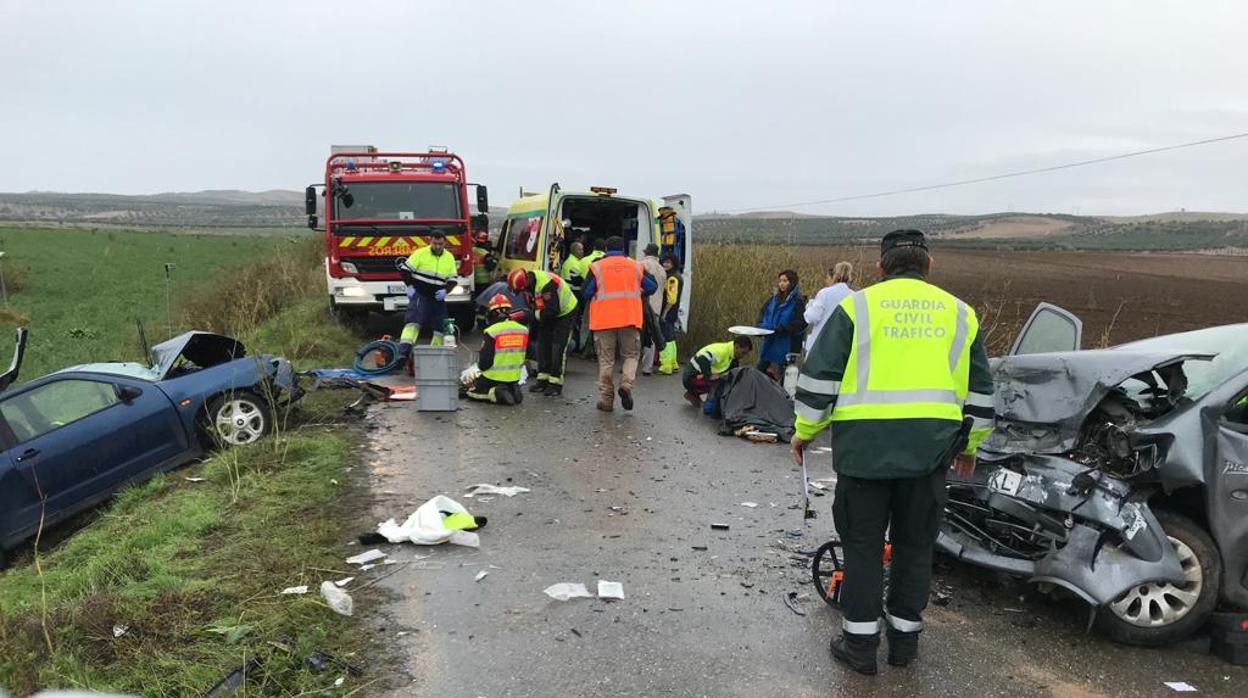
column 709, row 364
column 501, row 360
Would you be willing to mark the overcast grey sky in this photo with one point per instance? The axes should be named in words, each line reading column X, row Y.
column 742, row 104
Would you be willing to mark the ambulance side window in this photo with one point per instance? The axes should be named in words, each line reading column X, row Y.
column 522, row 237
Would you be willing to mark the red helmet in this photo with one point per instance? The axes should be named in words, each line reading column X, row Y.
column 482, row 236
column 499, row 302
column 518, row 280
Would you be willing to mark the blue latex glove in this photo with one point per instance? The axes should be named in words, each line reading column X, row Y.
column 440, row 295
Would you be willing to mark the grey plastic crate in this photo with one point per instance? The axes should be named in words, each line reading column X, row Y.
column 437, row 396
column 435, row 363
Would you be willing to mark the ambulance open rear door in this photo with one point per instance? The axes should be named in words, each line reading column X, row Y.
column 676, row 237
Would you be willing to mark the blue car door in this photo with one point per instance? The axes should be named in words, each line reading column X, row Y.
column 73, row 439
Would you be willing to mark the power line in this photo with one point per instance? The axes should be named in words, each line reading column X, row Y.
column 1007, row 175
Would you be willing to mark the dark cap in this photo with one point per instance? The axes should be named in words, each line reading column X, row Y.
column 902, row 238
column 652, row 249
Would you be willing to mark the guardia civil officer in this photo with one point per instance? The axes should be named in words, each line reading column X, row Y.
column 900, row 375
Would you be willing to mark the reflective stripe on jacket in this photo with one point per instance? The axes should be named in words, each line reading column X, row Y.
column 617, row 293
column 433, row 271
column 567, row 299
column 510, row 340
column 909, row 358
column 719, row 355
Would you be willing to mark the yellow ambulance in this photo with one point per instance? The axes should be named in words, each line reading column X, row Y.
column 540, row 228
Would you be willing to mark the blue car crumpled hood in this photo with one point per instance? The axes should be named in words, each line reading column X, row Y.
column 200, row 348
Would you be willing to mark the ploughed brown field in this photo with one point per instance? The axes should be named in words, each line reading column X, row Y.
column 1119, row 296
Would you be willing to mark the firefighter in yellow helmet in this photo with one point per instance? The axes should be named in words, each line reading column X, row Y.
column 501, row 360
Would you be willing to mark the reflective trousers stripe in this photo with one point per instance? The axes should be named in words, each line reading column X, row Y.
column 981, row 423
column 809, row 413
column 870, row 627
column 814, row 385
column 902, row 625
column 433, row 279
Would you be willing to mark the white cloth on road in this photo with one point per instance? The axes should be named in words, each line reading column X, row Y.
column 425, row 527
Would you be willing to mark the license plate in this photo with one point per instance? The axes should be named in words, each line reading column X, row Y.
column 394, row 303
column 396, row 288
column 1005, row 482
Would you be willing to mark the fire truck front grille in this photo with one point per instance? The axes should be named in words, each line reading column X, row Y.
column 373, row 265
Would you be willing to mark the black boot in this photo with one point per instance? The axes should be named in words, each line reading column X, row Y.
column 517, row 395
column 857, row 651
column 504, row 395
column 539, row 387
column 903, row 648
column 553, row 390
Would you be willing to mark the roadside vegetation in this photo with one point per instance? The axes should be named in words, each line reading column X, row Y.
column 174, row 584
column 81, row 291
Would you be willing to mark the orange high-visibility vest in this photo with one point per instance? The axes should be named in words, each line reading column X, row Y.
column 617, row 294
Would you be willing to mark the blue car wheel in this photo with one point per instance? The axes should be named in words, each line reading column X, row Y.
column 237, row 419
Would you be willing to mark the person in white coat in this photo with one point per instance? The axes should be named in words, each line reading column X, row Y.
column 819, row 309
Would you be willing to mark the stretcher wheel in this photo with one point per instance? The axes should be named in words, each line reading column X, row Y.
column 826, row 573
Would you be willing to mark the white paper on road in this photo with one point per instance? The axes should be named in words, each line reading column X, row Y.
column 339, row 600
column 296, row 590
column 750, row 505
column 492, row 489
column 425, row 527
column 366, row 557
column 567, row 590
column 1180, row 686
column 610, row 590
column 480, row 575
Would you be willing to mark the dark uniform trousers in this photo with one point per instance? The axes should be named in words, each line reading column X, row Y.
column 911, row 509
column 485, row 390
column 552, row 347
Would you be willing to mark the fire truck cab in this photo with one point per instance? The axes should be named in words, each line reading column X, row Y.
column 379, row 208
column 540, row 228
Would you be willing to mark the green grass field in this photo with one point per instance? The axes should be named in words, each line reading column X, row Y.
column 81, row 291
column 192, row 569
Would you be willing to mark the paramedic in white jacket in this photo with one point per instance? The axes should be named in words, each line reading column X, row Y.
column 820, row 308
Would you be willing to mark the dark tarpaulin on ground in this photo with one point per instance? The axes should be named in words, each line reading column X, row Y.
column 749, row 397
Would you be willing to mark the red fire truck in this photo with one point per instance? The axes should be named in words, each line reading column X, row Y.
column 379, row 208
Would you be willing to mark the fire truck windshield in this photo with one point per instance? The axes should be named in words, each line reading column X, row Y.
column 398, row 200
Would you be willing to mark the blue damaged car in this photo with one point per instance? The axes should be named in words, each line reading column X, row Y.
column 72, row 438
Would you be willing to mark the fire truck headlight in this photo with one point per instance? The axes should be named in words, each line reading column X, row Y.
column 349, row 268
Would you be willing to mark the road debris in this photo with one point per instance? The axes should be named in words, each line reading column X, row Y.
column 343, row 582
column 480, row 575
column 119, row 630
column 295, row 590
column 567, row 590
column 439, row 520
column 366, row 557
column 719, row 527
column 1180, row 686
column 790, row 600
column 229, row 685
column 483, row 488
column 338, row 600
column 610, row 590
column 195, row 479
column 751, row 505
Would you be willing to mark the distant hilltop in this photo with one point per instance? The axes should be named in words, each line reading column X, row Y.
column 283, row 208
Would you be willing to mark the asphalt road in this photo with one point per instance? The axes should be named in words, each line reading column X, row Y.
column 629, row 497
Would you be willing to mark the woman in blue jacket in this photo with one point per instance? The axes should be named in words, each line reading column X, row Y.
column 782, row 313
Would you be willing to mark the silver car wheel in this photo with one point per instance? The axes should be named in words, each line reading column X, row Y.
column 239, row 421
column 1158, row 604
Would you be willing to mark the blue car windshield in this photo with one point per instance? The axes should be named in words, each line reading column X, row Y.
column 1229, row 342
